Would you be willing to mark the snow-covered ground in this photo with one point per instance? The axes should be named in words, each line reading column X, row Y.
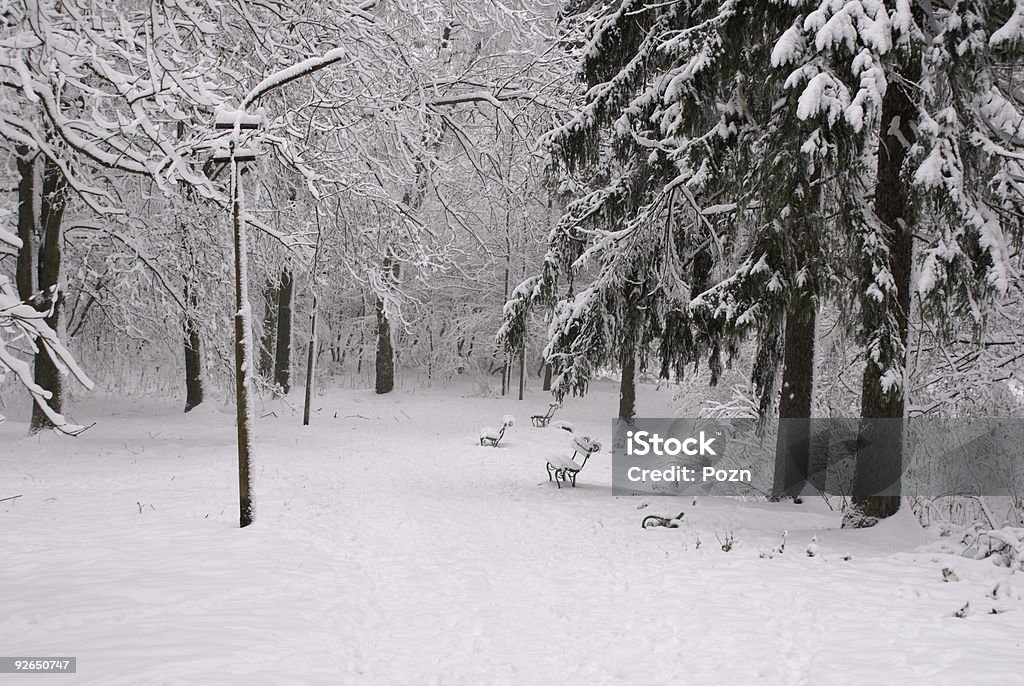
column 390, row 548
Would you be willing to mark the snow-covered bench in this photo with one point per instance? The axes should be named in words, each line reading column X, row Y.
column 540, row 420
column 491, row 436
column 566, row 468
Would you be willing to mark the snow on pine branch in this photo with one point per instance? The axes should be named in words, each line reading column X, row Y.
column 1013, row 29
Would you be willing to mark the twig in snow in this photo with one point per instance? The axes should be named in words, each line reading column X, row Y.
column 12, row 497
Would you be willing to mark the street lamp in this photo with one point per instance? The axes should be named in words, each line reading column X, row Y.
column 234, row 155
column 238, row 121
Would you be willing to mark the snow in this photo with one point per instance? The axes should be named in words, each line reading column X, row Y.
column 20, row 322
column 903, row 18
column 872, row 89
column 1013, row 29
column 9, row 240
column 789, row 47
column 823, row 93
column 225, row 117
column 391, row 549
column 847, row 22
column 297, row 70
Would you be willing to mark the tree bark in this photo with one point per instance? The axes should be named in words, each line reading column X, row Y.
column 627, row 386
column 193, row 354
column 880, row 445
column 311, row 356
column 283, row 352
column 269, row 335
column 792, row 451
column 385, row 372
column 522, row 371
column 310, row 361
column 385, row 360
column 25, row 270
column 52, row 217
column 547, row 376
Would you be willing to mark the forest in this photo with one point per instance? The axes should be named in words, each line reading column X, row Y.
column 273, row 263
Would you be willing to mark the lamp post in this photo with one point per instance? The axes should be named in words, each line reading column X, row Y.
column 243, row 327
column 237, row 121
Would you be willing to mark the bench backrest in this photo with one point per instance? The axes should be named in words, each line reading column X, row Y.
column 583, row 444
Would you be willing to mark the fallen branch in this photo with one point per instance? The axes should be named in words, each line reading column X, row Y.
column 10, row 498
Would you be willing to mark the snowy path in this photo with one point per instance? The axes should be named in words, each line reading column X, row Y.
column 392, row 549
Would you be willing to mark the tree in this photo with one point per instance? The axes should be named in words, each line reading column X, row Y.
column 283, row 352
column 681, row 135
column 407, row 156
column 762, row 114
column 76, row 136
column 931, row 93
column 20, row 321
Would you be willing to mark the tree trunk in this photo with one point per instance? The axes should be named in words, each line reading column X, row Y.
column 193, row 368
column 310, row 363
column 880, row 445
column 193, row 354
column 385, row 381
column 25, row 270
column 269, row 336
column 522, row 371
column 310, row 359
column 627, row 387
column 792, row 451
column 547, row 376
column 283, row 353
column 52, row 216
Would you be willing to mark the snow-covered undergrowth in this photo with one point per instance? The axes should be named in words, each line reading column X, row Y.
column 390, row 548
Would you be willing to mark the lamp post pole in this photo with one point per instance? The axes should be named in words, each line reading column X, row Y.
column 243, row 331
column 243, row 348
column 238, row 121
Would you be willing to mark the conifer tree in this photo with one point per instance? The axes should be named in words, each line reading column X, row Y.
column 931, row 95
column 697, row 227
column 739, row 162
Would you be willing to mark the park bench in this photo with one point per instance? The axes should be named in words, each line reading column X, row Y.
column 566, row 468
column 490, row 436
column 540, row 420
